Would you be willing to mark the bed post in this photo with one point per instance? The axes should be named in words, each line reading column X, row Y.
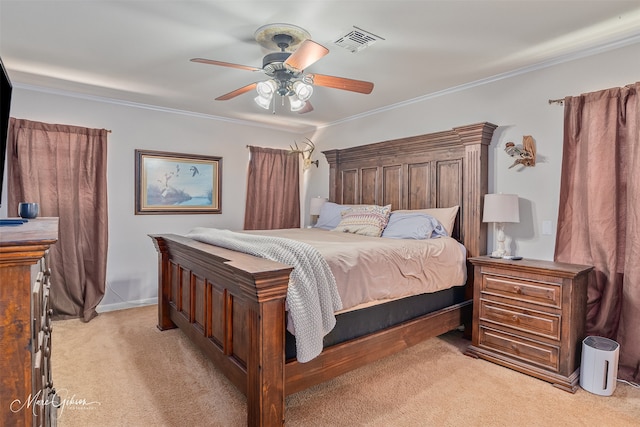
column 265, row 365
column 476, row 139
column 164, row 284
column 334, row 189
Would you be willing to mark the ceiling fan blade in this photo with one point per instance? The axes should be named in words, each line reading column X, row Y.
column 342, row 83
column 306, row 54
column 307, row 108
column 225, row 64
column 237, row 92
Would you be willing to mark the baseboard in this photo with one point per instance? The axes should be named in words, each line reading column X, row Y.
column 126, row 304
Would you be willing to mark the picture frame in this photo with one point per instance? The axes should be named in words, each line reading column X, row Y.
column 177, row 183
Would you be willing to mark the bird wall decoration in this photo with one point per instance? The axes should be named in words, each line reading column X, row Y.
column 524, row 154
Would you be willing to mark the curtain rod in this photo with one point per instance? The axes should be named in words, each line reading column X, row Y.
column 556, row 101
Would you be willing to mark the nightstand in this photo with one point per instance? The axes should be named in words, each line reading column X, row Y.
column 529, row 315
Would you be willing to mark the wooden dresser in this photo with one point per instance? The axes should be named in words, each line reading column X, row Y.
column 26, row 389
column 529, row 315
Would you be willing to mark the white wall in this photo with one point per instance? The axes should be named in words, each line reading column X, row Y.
column 132, row 258
column 519, row 106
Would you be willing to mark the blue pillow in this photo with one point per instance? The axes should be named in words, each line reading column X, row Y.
column 413, row 226
column 330, row 215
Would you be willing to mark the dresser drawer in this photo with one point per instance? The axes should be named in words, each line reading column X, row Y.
column 547, row 294
column 37, row 306
column 529, row 351
column 532, row 321
column 37, row 384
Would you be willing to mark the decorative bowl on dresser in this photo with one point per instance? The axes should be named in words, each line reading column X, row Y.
column 27, row 396
column 529, row 315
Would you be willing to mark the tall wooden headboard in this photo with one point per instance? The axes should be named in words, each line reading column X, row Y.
column 435, row 170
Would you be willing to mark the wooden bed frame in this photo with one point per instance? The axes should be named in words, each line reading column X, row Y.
column 232, row 305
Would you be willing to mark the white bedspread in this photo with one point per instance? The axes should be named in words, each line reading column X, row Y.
column 312, row 295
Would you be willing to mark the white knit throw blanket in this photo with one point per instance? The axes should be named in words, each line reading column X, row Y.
column 312, row 295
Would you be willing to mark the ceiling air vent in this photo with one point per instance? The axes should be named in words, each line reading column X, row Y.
column 357, row 39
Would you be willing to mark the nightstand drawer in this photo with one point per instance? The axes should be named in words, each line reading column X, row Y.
column 536, row 322
column 547, row 294
column 520, row 348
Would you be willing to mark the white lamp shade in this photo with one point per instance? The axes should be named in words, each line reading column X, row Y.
column 316, row 205
column 303, row 90
column 267, row 88
column 501, row 208
column 263, row 102
column 295, row 103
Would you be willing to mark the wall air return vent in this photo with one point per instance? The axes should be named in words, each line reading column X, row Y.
column 357, row 39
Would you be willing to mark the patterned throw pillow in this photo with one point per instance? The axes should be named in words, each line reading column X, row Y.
column 367, row 220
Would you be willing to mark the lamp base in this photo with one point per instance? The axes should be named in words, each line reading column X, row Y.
column 498, row 254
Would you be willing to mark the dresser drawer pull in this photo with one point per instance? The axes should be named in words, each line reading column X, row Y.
column 515, row 318
column 517, row 290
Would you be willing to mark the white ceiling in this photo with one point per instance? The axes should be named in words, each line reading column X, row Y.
column 138, row 51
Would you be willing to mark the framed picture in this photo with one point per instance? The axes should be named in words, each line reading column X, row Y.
column 175, row 183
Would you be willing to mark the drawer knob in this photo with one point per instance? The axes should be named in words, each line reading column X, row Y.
column 517, row 290
column 514, row 347
column 515, row 317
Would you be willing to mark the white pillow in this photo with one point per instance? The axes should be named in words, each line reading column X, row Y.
column 446, row 216
column 414, row 225
column 330, row 215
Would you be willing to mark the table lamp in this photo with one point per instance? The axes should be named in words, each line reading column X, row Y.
column 500, row 208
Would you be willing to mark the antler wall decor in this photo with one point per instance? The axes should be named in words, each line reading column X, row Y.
column 306, row 153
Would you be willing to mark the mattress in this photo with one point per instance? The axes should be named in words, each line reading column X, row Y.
column 370, row 270
column 359, row 322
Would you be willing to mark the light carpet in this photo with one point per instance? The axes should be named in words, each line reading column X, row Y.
column 120, row 370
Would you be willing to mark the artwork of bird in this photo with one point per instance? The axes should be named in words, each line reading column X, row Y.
column 525, row 153
column 194, row 171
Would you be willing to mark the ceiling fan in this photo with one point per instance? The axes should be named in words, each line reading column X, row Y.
column 286, row 67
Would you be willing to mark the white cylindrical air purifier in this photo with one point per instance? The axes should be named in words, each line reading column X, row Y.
column 599, row 366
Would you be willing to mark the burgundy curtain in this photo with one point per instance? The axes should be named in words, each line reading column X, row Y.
column 273, row 190
column 599, row 216
column 64, row 169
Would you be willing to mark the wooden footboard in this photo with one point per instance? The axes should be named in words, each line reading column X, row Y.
column 232, row 306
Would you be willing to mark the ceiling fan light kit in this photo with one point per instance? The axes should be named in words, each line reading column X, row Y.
column 286, row 69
